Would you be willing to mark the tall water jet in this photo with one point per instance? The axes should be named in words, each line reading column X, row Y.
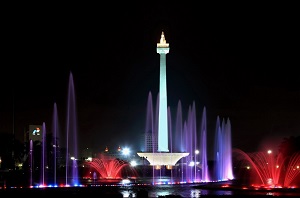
column 228, row 152
column 190, row 138
column 55, row 143
column 203, row 148
column 43, row 155
column 30, row 161
column 223, row 151
column 178, row 146
column 178, row 138
column 149, row 129
column 71, row 139
column 170, row 130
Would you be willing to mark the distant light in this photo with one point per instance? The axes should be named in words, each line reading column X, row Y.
column 269, row 151
column 119, row 148
column 192, row 163
column 125, row 181
column 89, row 159
column 197, row 152
column 133, row 163
column 126, row 151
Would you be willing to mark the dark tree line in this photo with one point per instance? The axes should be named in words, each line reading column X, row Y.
column 290, row 145
column 12, row 151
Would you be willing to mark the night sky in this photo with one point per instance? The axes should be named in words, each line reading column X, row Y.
column 239, row 61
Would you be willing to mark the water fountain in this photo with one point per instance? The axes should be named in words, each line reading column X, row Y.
column 108, row 169
column 223, row 151
column 268, row 169
column 43, row 156
column 55, row 143
column 72, row 177
column 187, row 138
column 30, row 162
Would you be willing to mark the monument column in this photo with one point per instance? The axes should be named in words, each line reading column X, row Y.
column 163, row 49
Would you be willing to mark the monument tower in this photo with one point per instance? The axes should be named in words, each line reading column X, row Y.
column 163, row 156
column 163, row 49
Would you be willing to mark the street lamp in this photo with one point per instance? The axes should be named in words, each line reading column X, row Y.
column 126, row 151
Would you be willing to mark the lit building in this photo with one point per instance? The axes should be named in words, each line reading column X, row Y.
column 34, row 133
column 150, row 142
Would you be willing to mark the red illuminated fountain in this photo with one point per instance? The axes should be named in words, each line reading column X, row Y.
column 269, row 170
column 109, row 169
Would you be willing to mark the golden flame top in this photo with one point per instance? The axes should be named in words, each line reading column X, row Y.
column 163, row 42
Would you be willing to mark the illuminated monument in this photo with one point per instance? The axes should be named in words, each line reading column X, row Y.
column 163, row 156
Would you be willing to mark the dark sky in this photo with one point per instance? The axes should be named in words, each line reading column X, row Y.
column 239, row 61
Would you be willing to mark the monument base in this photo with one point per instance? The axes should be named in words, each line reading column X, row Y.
column 162, row 159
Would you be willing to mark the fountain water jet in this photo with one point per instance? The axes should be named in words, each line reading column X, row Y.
column 55, row 143
column 270, row 170
column 187, row 138
column 223, row 151
column 71, row 139
column 203, row 148
column 44, row 155
column 30, row 162
column 110, row 169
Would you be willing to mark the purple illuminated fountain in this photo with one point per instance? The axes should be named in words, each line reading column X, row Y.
column 223, row 151
column 55, row 143
column 72, row 177
column 44, row 156
column 203, row 147
column 30, row 162
column 186, row 137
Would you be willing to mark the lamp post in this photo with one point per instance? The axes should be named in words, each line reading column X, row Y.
column 126, row 152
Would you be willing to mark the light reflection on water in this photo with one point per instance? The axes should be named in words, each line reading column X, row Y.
column 190, row 191
column 164, row 190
